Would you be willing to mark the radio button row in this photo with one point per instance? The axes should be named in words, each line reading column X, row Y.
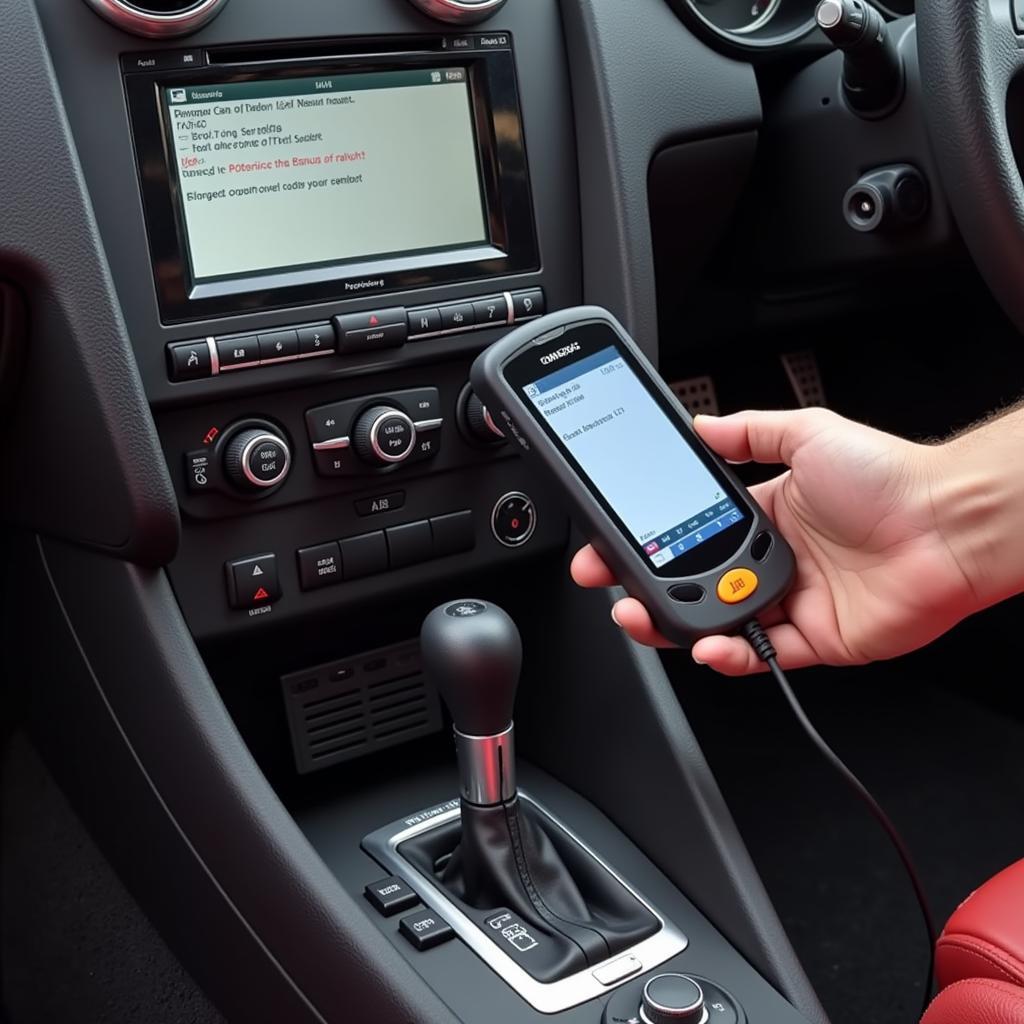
column 492, row 311
column 348, row 333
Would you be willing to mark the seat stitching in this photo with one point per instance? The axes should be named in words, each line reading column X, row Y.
column 965, row 944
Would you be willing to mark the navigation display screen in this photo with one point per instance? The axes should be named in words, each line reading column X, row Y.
column 289, row 173
column 634, row 455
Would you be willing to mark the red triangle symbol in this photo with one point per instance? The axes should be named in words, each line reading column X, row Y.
column 260, row 595
column 373, row 320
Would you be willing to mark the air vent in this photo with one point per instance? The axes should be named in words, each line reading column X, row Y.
column 158, row 19
column 459, row 12
column 347, row 709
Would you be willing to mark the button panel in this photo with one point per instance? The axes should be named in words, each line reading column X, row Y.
column 394, row 547
column 331, row 430
column 349, row 333
column 475, row 314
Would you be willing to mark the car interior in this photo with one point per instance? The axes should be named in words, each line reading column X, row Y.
column 277, row 584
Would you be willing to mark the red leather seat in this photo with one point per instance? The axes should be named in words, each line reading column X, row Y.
column 979, row 958
column 985, row 936
column 977, row 1001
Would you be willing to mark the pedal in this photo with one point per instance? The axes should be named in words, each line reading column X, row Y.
column 697, row 394
column 805, row 378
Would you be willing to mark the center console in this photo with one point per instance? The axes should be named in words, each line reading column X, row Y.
column 337, row 226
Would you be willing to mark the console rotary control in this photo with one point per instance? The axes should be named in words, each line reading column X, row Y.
column 672, row 998
column 477, row 421
column 384, row 436
column 256, row 459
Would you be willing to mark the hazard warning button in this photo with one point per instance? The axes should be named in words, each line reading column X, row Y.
column 253, row 582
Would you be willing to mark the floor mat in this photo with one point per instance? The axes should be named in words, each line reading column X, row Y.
column 939, row 740
column 76, row 948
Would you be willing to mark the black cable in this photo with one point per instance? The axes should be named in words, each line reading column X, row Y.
column 765, row 650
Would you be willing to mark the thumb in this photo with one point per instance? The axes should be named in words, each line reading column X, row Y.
column 770, row 437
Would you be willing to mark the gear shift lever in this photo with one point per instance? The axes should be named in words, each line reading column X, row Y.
column 472, row 653
column 509, row 861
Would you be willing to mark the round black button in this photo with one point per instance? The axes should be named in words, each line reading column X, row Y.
column 670, row 998
column 514, row 519
column 687, row 593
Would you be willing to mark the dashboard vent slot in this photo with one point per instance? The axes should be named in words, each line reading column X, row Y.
column 346, row 709
column 158, row 19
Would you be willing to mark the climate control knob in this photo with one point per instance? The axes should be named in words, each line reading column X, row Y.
column 384, row 436
column 671, row 998
column 479, row 423
column 255, row 460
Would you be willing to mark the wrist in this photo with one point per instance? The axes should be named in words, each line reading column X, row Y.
column 977, row 503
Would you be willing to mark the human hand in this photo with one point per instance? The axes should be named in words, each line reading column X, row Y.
column 875, row 576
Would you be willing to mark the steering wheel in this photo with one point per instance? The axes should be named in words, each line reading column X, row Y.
column 970, row 53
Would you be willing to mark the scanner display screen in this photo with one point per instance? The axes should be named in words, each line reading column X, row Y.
column 598, row 409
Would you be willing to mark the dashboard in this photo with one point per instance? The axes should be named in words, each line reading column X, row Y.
column 262, row 244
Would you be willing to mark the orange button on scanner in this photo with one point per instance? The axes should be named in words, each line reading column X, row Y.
column 737, row 585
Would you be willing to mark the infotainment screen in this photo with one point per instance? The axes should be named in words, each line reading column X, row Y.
column 300, row 172
column 288, row 173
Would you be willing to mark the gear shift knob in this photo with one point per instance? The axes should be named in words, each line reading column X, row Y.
column 472, row 653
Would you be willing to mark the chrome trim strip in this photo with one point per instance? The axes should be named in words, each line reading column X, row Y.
column 487, row 767
column 334, row 444
column 511, row 309
column 556, row 996
column 424, row 425
column 211, row 345
column 157, row 26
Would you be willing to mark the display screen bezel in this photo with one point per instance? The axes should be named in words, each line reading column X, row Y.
column 501, row 153
column 526, row 367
